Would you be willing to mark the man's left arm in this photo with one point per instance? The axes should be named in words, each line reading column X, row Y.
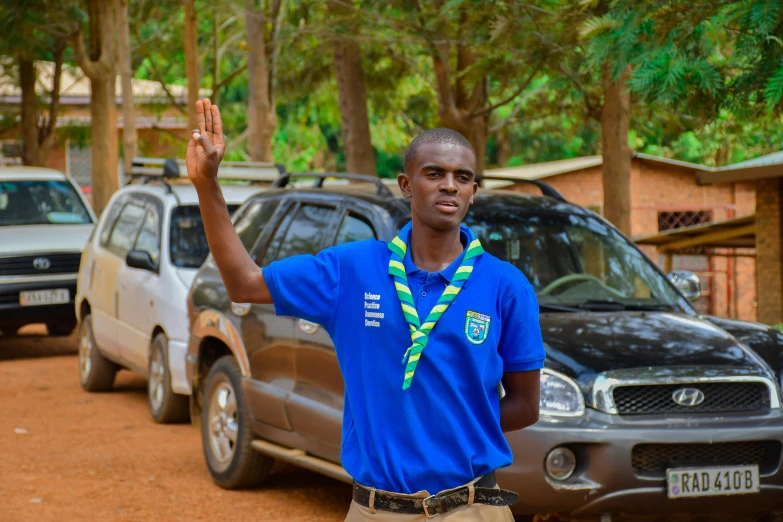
column 522, row 350
column 519, row 407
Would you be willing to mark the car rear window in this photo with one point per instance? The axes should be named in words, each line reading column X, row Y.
column 188, row 247
column 45, row 202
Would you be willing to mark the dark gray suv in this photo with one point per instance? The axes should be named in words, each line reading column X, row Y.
column 646, row 407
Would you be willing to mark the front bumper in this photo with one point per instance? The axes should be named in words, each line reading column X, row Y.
column 605, row 481
column 12, row 312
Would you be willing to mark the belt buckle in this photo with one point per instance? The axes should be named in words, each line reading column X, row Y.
column 437, row 504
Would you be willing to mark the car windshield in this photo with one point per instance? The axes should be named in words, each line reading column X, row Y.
column 47, row 202
column 188, row 246
column 574, row 262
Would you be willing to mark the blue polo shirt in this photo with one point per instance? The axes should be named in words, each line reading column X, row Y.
column 444, row 430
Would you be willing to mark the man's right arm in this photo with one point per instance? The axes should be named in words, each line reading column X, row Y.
column 243, row 279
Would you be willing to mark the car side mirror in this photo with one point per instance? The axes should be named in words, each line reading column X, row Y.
column 686, row 282
column 141, row 260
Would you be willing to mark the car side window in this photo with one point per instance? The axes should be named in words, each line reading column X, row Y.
column 149, row 240
column 354, row 228
column 304, row 234
column 123, row 235
column 111, row 218
column 254, row 219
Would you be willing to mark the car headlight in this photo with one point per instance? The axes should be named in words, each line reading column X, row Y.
column 560, row 395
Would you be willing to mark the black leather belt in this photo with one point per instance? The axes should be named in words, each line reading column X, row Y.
column 484, row 493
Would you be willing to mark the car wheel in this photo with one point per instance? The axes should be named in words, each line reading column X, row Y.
column 225, row 430
column 96, row 372
column 61, row 329
column 165, row 405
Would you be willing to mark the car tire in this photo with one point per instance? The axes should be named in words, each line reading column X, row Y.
column 9, row 329
column 165, row 405
column 234, row 464
column 96, row 372
column 61, row 329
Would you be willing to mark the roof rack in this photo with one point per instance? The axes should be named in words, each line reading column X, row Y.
column 160, row 169
column 285, row 178
column 545, row 188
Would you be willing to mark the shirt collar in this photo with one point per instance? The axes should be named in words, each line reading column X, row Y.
column 448, row 272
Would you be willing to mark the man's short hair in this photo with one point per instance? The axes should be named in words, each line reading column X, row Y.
column 439, row 135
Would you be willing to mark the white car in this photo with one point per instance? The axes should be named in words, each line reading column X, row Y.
column 134, row 278
column 44, row 224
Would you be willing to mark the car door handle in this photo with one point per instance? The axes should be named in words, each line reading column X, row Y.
column 308, row 327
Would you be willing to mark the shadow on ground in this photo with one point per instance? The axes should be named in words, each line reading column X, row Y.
column 32, row 341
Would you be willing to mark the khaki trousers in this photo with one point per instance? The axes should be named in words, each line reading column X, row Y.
column 470, row 513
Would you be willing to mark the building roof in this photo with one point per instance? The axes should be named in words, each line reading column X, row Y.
column 75, row 87
column 554, row 168
column 731, row 233
column 769, row 166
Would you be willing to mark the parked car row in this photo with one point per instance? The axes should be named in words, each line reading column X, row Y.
column 647, row 408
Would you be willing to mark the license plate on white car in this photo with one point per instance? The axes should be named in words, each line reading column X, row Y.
column 44, row 297
column 707, row 482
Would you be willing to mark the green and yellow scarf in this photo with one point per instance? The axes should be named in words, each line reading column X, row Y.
column 420, row 332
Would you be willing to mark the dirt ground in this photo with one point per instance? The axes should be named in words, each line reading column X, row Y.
column 68, row 455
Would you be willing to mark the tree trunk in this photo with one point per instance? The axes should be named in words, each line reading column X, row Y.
column 504, row 149
column 615, row 119
column 99, row 68
column 129, row 135
column 27, row 79
column 456, row 110
column 359, row 153
column 46, row 132
column 261, row 117
column 191, row 62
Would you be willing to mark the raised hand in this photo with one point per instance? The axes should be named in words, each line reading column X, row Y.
column 207, row 144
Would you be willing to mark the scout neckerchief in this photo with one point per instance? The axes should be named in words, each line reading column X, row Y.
column 420, row 332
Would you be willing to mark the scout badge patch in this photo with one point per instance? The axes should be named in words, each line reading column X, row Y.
column 476, row 327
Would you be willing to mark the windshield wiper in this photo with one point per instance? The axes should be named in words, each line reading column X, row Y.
column 559, row 308
column 608, row 305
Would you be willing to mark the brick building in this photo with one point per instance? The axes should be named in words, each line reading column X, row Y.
column 161, row 126
column 666, row 195
column 765, row 174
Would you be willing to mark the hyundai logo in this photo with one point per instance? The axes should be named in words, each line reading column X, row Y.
column 688, row 397
column 41, row 263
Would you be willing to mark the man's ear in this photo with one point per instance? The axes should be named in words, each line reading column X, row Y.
column 405, row 184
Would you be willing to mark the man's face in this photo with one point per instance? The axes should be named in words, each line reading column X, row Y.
column 440, row 184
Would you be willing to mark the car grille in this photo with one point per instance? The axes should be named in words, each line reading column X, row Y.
column 719, row 397
column 655, row 459
column 23, row 265
column 9, row 298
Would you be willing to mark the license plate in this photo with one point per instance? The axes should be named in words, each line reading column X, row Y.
column 707, row 482
column 44, row 297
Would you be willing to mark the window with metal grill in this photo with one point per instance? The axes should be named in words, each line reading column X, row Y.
column 654, row 459
column 682, row 218
column 718, row 397
column 23, row 265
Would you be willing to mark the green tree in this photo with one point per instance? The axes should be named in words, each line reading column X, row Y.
column 33, row 31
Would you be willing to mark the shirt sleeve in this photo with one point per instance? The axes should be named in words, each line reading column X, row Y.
column 306, row 286
column 521, row 346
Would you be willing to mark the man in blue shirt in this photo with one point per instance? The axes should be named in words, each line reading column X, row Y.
column 424, row 327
